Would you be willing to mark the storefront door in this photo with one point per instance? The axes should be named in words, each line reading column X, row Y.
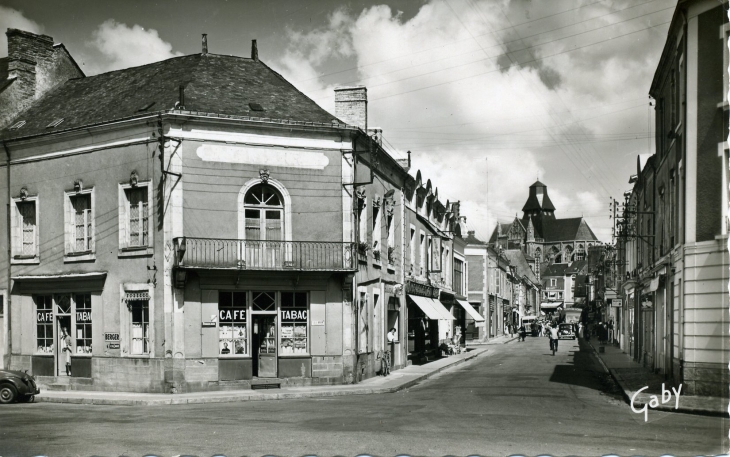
column 264, row 345
column 63, row 322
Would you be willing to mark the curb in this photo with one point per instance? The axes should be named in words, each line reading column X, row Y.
column 627, row 394
column 245, row 396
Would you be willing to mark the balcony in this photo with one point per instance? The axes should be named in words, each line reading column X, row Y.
column 227, row 254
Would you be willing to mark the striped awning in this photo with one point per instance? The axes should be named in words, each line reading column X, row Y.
column 141, row 295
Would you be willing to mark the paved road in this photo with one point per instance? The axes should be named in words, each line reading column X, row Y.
column 517, row 399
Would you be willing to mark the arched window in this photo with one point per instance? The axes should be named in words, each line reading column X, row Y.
column 568, row 257
column 580, row 253
column 538, row 254
column 264, row 213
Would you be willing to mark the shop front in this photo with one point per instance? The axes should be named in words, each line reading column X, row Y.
column 428, row 321
column 61, row 312
column 256, row 327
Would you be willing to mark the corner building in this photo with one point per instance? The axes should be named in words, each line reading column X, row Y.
column 189, row 222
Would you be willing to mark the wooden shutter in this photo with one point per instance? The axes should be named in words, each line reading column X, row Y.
column 16, row 228
column 123, row 218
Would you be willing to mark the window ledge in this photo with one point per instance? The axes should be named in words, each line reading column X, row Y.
column 136, row 251
column 79, row 257
column 26, row 260
column 391, row 268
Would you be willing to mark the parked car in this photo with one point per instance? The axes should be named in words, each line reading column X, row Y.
column 565, row 332
column 17, row 385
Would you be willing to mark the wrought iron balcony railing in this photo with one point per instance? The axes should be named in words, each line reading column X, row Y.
column 231, row 254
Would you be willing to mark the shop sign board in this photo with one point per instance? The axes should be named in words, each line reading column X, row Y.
column 83, row 316
column 616, row 302
column 319, row 322
column 294, row 315
column 232, row 314
column 46, row 316
column 422, row 290
column 112, row 340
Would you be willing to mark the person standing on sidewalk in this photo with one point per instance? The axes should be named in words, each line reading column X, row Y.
column 521, row 334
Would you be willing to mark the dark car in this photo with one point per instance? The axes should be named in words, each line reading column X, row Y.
column 17, row 385
column 565, row 331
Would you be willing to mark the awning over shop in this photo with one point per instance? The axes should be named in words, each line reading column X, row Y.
column 652, row 286
column 471, row 311
column 431, row 308
column 550, row 306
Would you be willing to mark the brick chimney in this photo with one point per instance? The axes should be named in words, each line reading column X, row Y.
column 35, row 66
column 351, row 105
column 25, row 52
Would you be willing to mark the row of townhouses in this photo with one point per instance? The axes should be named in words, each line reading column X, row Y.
column 200, row 224
column 666, row 279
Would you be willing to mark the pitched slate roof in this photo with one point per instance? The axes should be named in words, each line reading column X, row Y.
column 472, row 239
column 555, row 269
column 566, row 230
column 213, row 83
column 504, row 227
column 577, row 267
column 517, row 258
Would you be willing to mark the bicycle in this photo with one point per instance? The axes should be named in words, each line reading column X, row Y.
column 554, row 345
column 385, row 363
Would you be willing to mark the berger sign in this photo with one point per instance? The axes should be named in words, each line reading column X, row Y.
column 111, row 337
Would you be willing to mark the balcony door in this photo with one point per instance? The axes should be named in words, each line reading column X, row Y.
column 264, row 219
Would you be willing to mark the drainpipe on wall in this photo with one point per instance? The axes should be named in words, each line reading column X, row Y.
column 8, row 341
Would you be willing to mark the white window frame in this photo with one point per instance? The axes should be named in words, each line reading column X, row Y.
column 124, row 249
column 70, row 254
column 553, row 282
column 126, row 320
column 16, row 230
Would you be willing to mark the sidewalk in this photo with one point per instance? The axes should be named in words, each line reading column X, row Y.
column 398, row 380
column 631, row 377
column 502, row 339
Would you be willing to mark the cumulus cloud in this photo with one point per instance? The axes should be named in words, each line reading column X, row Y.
column 14, row 19
column 123, row 46
column 474, row 85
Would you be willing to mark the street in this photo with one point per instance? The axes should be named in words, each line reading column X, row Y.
column 516, row 399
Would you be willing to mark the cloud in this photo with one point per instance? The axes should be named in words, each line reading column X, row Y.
column 123, row 46
column 566, row 104
column 14, row 19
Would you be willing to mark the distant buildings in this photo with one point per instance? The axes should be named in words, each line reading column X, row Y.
column 541, row 235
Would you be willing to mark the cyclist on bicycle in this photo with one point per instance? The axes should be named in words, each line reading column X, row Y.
column 553, row 334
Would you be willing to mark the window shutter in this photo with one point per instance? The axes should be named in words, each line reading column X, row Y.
column 16, row 227
column 69, row 225
column 91, row 228
column 123, row 218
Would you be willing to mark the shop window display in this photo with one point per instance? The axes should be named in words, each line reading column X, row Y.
column 44, row 323
column 294, row 320
column 232, row 323
column 83, row 323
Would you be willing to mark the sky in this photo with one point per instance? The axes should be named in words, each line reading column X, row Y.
column 488, row 95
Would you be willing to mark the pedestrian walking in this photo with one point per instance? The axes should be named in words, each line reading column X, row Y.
column 522, row 332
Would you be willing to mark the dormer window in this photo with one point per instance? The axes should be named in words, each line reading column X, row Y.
column 17, row 125
column 55, row 123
